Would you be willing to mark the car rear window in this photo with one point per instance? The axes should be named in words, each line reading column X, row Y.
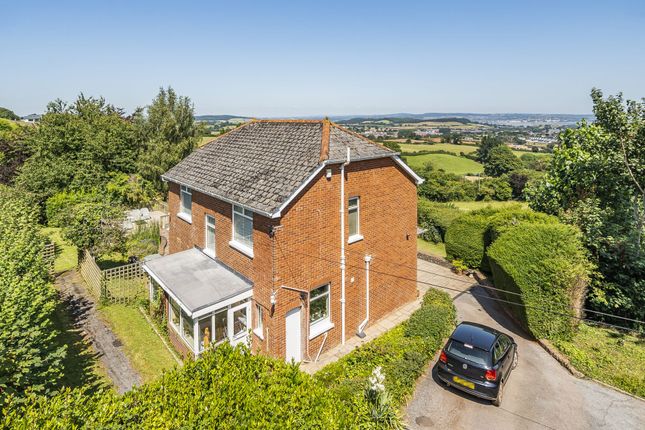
column 468, row 352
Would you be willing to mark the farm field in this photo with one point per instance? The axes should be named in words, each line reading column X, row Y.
column 449, row 163
column 467, row 149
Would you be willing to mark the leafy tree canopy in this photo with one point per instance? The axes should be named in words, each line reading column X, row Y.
column 488, row 142
column 501, row 160
column 8, row 114
column 596, row 180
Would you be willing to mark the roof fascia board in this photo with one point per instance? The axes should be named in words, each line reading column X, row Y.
column 418, row 179
column 278, row 213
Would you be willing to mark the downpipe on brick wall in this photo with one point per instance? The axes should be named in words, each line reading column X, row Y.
column 342, row 246
column 360, row 333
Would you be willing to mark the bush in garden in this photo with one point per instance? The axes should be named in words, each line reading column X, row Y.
column 30, row 355
column 465, row 239
column 435, row 218
column 402, row 353
column 546, row 263
column 227, row 388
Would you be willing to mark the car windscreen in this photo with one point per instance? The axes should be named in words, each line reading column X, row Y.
column 469, row 353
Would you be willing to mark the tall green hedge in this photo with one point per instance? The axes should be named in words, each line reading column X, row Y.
column 435, row 218
column 547, row 265
column 227, row 388
column 469, row 236
column 30, row 355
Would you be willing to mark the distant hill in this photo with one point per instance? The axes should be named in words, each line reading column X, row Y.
column 400, row 120
column 213, row 118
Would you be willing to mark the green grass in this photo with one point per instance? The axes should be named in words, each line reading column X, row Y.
column 457, row 149
column 449, row 163
column 436, row 249
column 473, row 205
column 410, row 147
column 66, row 255
column 142, row 346
column 615, row 358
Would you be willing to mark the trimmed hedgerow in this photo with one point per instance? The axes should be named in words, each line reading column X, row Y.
column 403, row 354
column 465, row 239
column 227, row 388
column 548, row 266
column 435, row 218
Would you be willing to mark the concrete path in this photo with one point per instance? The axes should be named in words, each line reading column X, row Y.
column 82, row 308
column 539, row 394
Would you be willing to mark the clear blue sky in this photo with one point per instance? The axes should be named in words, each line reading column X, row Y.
column 272, row 58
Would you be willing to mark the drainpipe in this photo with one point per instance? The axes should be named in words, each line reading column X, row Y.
column 342, row 247
column 361, row 327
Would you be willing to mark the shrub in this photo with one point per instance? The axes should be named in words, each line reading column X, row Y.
column 494, row 189
column 465, row 239
column 227, row 388
column 547, row 265
column 402, row 353
column 435, row 219
column 444, row 187
column 57, row 205
column 30, row 355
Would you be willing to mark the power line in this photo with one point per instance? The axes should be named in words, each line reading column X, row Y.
column 497, row 289
column 479, row 295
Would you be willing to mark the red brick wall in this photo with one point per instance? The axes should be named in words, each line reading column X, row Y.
column 307, row 249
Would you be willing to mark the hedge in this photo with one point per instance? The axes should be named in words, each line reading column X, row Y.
column 230, row 388
column 435, row 218
column 227, row 388
column 547, row 265
column 31, row 355
column 469, row 236
column 403, row 354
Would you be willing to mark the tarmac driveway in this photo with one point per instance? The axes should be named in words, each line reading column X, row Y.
column 539, row 394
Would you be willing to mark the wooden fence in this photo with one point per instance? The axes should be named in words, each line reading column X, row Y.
column 122, row 284
column 49, row 255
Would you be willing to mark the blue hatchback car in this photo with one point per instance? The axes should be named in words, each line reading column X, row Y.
column 478, row 360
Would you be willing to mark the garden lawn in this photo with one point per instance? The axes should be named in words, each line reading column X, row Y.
column 436, row 249
column 449, row 163
column 142, row 346
column 473, row 205
column 615, row 358
column 66, row 253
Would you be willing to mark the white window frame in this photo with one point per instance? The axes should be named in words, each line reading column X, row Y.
column 237, row 210
column 212, row 250
column 259, row 322
column 316, row 328
column 185, row 213
column 357, row 207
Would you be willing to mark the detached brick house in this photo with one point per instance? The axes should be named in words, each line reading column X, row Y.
column 256, row 249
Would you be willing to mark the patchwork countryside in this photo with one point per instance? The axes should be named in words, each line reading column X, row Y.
column 235, row 218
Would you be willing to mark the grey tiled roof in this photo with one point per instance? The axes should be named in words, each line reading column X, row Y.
column 260, row 164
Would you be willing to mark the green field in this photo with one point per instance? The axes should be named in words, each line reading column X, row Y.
column 472, row 205
column 449, row 163
column 450, row 147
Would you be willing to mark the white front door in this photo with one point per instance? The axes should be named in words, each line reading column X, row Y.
column 293, row 335
column 238, row 323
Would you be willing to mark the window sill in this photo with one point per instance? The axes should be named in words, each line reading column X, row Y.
column 209, row 252
column 242, row 248
column 258, row 333
column 355, row 238
column 185, row 217
column 319, row 328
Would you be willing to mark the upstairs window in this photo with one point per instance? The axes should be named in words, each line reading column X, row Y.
column 186, row 203
column 354, row 219
column 243, row 228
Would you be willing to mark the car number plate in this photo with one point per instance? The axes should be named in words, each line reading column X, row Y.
column 463, row 382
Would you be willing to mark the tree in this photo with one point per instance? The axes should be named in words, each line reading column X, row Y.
column 30, row 355
column 519, row 179
column 500, row 160
column 596, row 180
column 76, row 147
column 8, row 114
column 487, row 143
column 167, row 132
column 13, row 151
